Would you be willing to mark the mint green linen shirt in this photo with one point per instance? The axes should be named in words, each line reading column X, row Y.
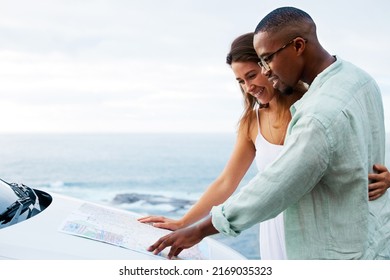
column 320, row 179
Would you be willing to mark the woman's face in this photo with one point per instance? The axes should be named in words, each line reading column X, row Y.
column 248, row 75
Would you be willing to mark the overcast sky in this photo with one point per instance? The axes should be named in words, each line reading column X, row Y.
column 154, row 66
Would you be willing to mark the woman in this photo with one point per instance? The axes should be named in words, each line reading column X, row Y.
column 261, row 134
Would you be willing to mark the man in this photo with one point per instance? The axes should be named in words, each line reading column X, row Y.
column 320, row 179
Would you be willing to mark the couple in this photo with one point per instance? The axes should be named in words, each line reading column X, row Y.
column 312, row 197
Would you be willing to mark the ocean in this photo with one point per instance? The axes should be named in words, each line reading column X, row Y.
column 151, row 174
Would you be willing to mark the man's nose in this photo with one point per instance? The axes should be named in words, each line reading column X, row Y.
column 265, row 72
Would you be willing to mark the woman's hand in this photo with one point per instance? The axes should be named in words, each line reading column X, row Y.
column 380, row 182
column 162, row 222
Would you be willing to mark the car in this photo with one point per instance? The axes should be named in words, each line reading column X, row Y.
column 38, row 225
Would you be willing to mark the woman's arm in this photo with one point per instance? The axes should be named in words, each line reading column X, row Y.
column 220, row 190
column 380, row 182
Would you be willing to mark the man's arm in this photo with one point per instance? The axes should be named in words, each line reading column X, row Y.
column 183, row 238
column 297, row 170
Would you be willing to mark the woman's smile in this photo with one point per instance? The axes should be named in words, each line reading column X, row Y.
column 258, row 93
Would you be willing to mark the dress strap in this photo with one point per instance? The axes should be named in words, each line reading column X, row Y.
column 257, row 107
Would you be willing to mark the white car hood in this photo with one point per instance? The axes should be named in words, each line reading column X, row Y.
column 39, row 238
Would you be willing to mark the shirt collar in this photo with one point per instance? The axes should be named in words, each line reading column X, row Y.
column 317, row 83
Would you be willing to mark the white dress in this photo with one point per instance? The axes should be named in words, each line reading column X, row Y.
column 272, row 241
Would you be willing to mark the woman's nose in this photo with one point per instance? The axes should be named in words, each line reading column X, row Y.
column 249, row 87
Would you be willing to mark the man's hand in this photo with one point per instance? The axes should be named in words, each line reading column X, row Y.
column 183, row 238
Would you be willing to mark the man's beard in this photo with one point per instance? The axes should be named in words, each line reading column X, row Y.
column 288, row 91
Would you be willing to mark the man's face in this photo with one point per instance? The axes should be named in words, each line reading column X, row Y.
column 277, row 59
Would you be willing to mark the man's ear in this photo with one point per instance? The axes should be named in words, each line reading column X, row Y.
column 299, row 45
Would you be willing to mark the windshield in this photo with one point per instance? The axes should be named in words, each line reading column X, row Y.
column 17, row 203
column 7, row 196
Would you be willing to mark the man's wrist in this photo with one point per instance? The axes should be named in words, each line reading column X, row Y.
column 206, row 228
